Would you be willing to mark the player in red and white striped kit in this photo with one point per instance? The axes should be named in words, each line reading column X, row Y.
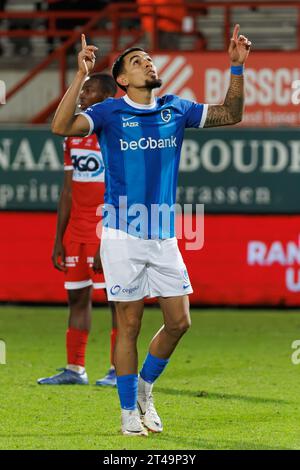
column 76, row 249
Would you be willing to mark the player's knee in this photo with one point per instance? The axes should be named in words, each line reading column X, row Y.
column 129, row 328
column 177, row 329
column 78, row 302
column 186, row 325
column 129, row 324
column 183, row 326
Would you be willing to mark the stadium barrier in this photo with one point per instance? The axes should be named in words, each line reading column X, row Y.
column 247, row 180
column 246, row 260
column 229, row 170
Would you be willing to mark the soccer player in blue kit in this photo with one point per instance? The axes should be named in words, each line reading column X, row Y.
column 141, row 138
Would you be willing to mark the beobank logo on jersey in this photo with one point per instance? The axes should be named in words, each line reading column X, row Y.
column 148, row 144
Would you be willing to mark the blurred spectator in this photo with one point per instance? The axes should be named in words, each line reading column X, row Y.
column 168, row 22
column 129, row 23
column 198, row 41
column 21, row 45
column 2, row 8
column 72, row 5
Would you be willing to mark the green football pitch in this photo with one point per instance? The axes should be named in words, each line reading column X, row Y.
column 230, row 384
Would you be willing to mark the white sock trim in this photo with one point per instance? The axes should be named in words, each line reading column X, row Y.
column 75, row 368
column 144, row 388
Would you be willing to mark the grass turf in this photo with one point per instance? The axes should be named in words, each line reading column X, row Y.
column 230, row 384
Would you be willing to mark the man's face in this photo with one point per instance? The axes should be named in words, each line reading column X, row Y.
column 91, row 93
column 139, row 71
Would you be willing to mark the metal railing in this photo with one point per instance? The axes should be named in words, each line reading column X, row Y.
column 109, row 23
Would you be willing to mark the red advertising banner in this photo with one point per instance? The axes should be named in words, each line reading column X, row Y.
column 272, row 87
column 245, row 260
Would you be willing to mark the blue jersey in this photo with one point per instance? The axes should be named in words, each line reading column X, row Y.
column 141, row 147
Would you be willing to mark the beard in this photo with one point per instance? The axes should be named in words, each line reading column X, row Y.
column 153, row 83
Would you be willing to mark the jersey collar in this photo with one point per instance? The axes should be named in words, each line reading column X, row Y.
column 133, row 104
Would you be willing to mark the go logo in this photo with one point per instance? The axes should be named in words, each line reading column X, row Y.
column 88, row 163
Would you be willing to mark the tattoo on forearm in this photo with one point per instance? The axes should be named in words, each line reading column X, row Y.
column 231, row 111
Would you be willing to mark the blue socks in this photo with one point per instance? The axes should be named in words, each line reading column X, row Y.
column 152, row 368
column 128, row 384
column 127, row 389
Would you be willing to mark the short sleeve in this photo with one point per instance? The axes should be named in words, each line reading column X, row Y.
column 67, row 155
column 195, row 114
column 95, row 116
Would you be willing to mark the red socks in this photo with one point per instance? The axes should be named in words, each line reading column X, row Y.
column 113, row 337
column 76, row 341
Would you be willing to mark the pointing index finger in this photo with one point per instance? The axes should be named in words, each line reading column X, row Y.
column 83, row 41
column 235, row 34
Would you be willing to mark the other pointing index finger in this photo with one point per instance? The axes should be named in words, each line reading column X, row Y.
column 236, row 32
column 83, row 41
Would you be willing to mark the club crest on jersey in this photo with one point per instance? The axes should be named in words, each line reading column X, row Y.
column 166, row 115
column 91, row 163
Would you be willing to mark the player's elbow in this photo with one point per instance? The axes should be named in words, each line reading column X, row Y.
column 58, row 129
column 235, row 118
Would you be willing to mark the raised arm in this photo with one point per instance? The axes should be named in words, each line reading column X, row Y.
column 65, row 121
column 231, row 111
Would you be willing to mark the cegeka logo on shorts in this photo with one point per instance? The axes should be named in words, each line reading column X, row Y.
column 285, row 254
column 116, row 289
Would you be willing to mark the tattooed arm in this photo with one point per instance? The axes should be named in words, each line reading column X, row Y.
column 231, row 111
